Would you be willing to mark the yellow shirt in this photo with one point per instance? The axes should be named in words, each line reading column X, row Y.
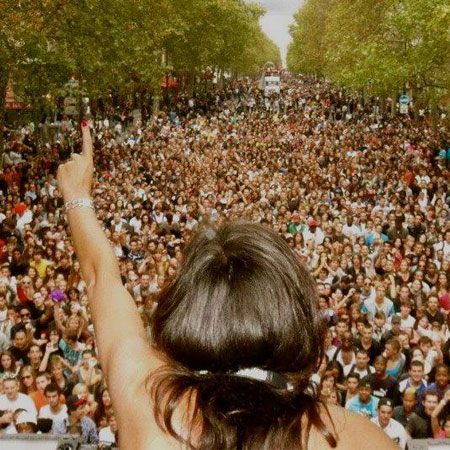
column 41, row 267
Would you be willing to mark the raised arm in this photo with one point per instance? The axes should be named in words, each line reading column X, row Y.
column 124, row 354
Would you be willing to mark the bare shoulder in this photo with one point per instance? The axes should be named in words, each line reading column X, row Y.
column 352, row 431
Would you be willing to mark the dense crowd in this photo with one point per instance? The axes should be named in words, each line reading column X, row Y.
column 361, row 197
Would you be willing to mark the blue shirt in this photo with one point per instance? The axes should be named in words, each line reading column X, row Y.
column 88, row 429
column 71, row 355
column 364, row 409
column 370, row 308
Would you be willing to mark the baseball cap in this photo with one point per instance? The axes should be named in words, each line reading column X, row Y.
column 73, row 401
column 385, row 402
column 396, row 319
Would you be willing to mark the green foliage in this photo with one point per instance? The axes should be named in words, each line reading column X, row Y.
column 307, row 52
column 111, row 46
column 378, row 45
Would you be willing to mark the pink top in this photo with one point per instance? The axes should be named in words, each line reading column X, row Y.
column 444, row 301
column 440, row 435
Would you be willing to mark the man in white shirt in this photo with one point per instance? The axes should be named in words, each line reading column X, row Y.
column 55, row 410
column 406, row 320
column 12, row 399
column 23, row 217
column 390, row 426
column 444, row 246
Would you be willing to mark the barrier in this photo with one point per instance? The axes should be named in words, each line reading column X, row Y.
column 425, row 444
column 45, row 442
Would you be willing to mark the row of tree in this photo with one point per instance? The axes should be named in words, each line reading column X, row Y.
column 380, row 46
column 113, row 47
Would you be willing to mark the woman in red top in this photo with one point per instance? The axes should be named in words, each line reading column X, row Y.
column 443, row 291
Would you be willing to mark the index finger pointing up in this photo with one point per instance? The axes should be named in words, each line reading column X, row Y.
column 87, row 149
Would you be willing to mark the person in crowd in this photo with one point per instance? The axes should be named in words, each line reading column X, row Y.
column 440, row 427
column 442, row 379
column 367, row 342
column 364, row 403
column 347, row 197
column 12, row 400
column 55, row 409
column 43, row 379
column 7, row 363
column 416, row 381
column 403, row 412
column 383, row 385
column 379, row 303
column 345, row 355
column 26, row 423
column 395, row 430
column 77, row 423
column 395, row 359
column 419, row 425
column 220, row 265
column 20, row 343
column 351, row 391
column 361, row 367
column 108, row 435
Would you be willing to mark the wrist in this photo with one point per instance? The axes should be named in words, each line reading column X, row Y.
column 68, row 197
column 79, row 202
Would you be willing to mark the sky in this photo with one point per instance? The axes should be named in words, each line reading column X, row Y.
column 277, row 19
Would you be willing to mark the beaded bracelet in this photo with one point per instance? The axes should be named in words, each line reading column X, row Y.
column 79, row 203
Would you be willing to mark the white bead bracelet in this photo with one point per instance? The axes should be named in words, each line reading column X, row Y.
column 79, row 203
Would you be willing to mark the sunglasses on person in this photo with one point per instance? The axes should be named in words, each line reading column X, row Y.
column 24, row 315
column 7, row 376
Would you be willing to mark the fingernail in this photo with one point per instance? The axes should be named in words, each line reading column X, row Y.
column 84, row 123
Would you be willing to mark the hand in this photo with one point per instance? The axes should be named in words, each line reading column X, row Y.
column 50, row 347
column 447, row 396
column 75, row 176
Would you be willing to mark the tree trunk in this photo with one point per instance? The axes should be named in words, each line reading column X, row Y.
column 394, row 103
column 4, row 76
column 434, row 114
column 382, row 104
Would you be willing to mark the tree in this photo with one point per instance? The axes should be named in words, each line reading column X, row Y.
column 307, row 52
column 22, row 44
column 115, row 50
column 378, row 45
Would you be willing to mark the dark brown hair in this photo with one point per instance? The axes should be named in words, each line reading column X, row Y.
column 241, row 300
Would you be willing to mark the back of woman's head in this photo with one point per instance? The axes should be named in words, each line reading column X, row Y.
column 241, row 300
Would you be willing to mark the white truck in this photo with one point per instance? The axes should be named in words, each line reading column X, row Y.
column 272, row 85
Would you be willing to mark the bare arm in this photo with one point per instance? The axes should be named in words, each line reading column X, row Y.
column 124, row 354
column 435, row 414
column 58, row 321
column 44, row 362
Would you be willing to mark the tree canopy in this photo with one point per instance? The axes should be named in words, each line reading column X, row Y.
column 112, row 46
column 376, row 44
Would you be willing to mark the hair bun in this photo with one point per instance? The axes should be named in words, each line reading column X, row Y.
column 243, row 401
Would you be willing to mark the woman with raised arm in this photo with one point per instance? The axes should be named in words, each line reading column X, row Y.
column 237, row 336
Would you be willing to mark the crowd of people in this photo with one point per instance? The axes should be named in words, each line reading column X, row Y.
column 363, row 200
